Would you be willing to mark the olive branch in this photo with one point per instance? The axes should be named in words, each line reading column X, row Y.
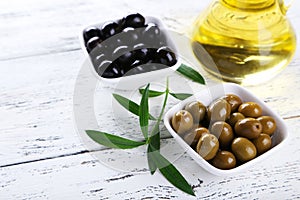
column 156, row 161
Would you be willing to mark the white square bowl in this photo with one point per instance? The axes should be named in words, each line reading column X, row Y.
column 209, row 94
column 137, row 80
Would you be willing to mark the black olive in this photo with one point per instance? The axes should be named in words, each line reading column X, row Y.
column 125, row 59
column 143, row 54
column 152, row 54
column 166, row 57
column 117, row 70
column 134, row 20
column 137, row 63
column 92, row 43
column 121, row 23
column 109, row 29
column 109, row 69
column 90, row 32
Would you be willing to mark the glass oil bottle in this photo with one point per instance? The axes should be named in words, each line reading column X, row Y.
column 244, row 41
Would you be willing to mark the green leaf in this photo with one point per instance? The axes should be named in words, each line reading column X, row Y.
column 152, row 93
column 180, row 96
column 170, row 172
column 155, row 133
column 144, row 112
column 154, row 142
column 155, row 129
column 191, row 74
column 113, row 141
column 129, row 105
column 151, row 164
column 154, row 139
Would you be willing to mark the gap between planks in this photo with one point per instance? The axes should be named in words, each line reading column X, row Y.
column 40, row 54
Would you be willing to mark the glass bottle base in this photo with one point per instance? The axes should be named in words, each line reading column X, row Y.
column 243, row 66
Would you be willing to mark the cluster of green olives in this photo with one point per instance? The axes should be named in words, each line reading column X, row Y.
column 228, row 132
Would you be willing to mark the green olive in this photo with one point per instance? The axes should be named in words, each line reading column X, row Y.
column 218, row 110
column 250, row 109
column 224, row 132
column 224, row 160
column 197, row 109
column 268, row 124
column 234, row 101
column 182, row 121
column 243, row 149
column 263, row 143
column 207, row 146
column 249, row 128
column 193, row 137
column 234, row 117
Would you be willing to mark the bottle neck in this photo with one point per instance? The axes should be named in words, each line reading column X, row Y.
column 249, row 4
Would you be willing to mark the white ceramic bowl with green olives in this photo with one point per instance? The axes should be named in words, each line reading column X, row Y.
column 226, row 129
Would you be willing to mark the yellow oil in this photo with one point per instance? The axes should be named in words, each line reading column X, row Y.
column 244, row 41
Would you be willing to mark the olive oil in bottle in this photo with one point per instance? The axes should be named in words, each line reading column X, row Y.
column 244, row 41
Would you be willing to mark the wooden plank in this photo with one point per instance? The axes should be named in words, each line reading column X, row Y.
column 36, row 107
column 82, row 177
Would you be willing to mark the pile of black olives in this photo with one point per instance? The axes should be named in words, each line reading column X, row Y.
column 128, row 46
column 226, row 133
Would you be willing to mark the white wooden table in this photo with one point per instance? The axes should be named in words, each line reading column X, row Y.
column 43, row 157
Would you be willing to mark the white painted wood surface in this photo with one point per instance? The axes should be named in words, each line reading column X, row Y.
column 43, row 157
